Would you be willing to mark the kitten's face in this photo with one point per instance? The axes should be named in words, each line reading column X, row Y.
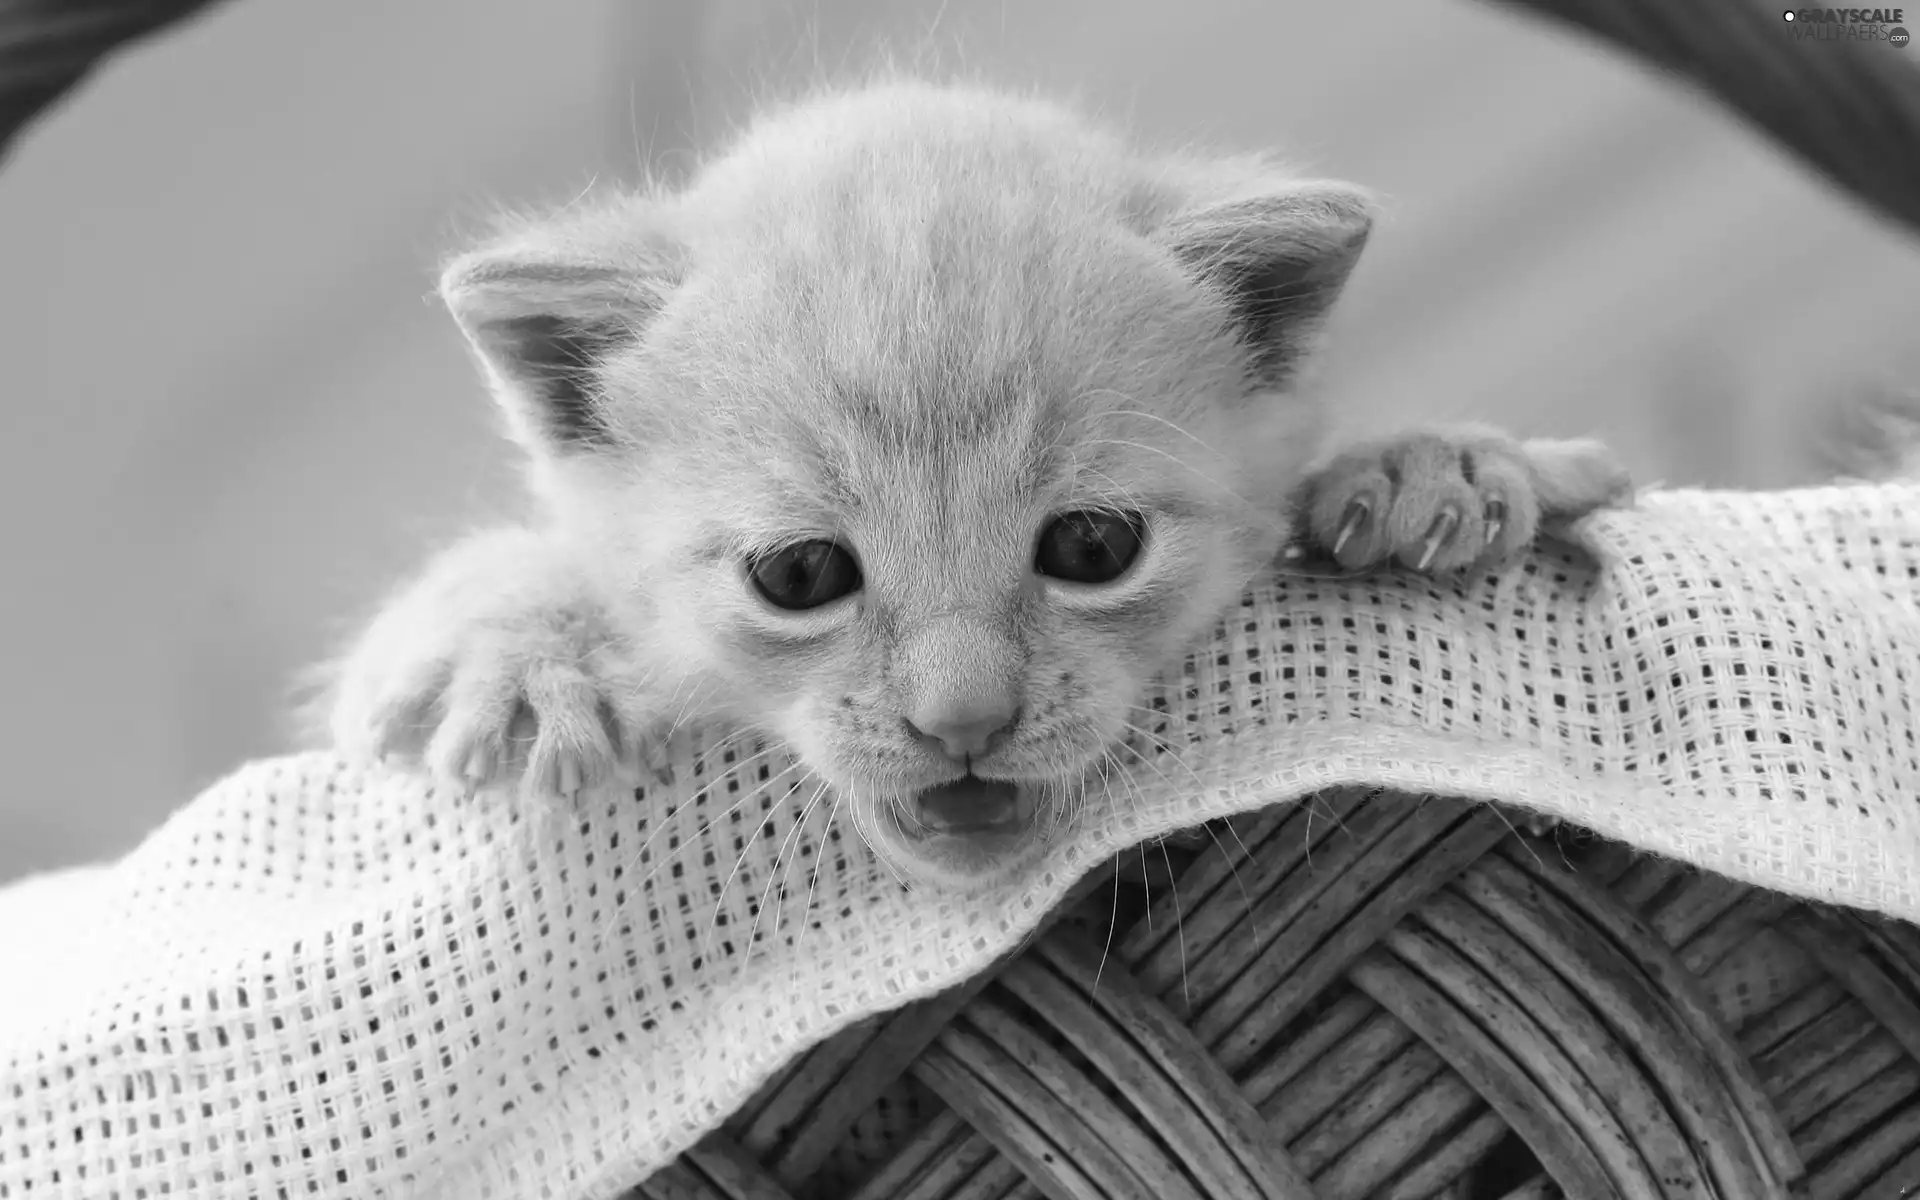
column 946, row 572
column 924, row 430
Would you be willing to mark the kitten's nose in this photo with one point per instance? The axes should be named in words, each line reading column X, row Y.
column 964, row 730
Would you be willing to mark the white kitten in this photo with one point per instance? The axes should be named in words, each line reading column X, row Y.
column 922, row 430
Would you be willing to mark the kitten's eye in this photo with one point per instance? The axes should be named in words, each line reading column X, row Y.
column 1089, row 547
column 805, row 575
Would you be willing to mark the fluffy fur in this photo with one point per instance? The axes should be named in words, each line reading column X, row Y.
column 919, row 322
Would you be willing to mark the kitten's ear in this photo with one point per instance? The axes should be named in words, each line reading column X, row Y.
column 1281, row 258
column 544, row 311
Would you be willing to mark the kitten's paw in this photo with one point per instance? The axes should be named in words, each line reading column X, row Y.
column 540, row 707
column 1446, row 501
column 538, row 720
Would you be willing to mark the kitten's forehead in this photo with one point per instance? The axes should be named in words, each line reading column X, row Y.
column 1001, row 452
column 992, row 335
column 1008, row 415
column 932, row 446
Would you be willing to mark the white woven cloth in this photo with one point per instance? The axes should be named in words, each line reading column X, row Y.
column 313, row 981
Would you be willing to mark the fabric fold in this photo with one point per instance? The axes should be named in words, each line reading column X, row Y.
column 322, row 980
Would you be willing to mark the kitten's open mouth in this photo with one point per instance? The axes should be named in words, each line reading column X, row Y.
column 967, row 833
column 984, row 812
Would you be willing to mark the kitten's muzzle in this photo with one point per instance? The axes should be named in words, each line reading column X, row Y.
column 971, row 806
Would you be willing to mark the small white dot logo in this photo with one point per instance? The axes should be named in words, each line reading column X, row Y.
column 1788, row 15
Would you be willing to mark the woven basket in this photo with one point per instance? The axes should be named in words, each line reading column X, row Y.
column 1373, row 995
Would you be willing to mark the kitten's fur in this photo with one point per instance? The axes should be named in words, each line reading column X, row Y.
column 921, row 322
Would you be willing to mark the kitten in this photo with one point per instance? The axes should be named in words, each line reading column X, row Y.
column 921, row 430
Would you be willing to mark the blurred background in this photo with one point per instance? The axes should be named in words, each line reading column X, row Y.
column 234, row 413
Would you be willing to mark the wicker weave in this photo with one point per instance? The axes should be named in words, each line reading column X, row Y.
column 1374, row 996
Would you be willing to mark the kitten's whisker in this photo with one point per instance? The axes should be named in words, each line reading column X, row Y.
column 1246, row 898
column 700, row 692
column 773, row 876
column 1166, row 747
column 1232, row 869
column 1517, row 836
column 813, row 877
column 888, row 863
column 1113, row 923
column 1144, row 415
column 1115, row 494
column 751, row 844
column 714, row 754
column 1146, row 885
column 1179, row 924
column 1211, row 481
column 668, row 823
column 1313, row 805
column 670, row 820
column 798, row 835
column 1198, row 782
column 752, row 771
column 873, row 815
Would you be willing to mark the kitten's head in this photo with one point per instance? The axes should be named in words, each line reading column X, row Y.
column 924, row 428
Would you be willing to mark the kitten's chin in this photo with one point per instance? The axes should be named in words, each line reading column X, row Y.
column 968, row 835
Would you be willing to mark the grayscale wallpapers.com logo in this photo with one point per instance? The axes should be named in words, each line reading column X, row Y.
column 1849, row 24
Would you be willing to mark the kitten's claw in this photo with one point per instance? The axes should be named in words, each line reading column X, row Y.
column 1438, row 534
column 479, row 768
column 1449, row 501
column 1495, row 517
column 1357, row 512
